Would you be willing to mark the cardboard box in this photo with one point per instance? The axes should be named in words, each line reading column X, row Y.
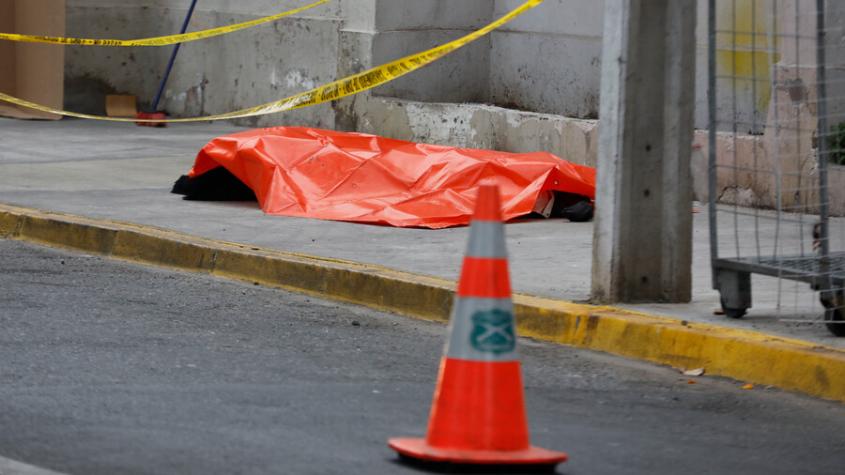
column 31, row 71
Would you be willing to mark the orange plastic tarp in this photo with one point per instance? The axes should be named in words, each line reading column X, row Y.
column 306, row 172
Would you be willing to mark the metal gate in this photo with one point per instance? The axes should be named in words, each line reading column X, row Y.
column 777, row 150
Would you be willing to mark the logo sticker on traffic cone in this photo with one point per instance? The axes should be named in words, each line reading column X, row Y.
column 478, row 413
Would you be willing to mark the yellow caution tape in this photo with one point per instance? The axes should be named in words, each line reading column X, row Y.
column 332, row 91
column 159, row 40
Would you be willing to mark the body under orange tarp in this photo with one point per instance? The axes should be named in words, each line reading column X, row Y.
column 305, row 172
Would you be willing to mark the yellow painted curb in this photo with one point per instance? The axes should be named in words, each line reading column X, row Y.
column 740, row 354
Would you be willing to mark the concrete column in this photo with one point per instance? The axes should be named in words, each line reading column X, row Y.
column 642, row 244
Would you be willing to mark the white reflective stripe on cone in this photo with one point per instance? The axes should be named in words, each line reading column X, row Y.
column 482, row 329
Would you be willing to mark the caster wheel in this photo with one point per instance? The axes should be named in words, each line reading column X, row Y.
column 735, row 312
column 834, row 312
column 836, row 315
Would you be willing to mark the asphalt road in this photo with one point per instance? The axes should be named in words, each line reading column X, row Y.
column 107, row 367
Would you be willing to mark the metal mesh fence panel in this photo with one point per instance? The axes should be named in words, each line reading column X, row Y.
column 777, row 157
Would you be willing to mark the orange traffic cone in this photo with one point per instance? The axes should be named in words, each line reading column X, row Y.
column 478, row 412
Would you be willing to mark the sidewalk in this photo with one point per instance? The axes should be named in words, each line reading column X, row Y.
column 124, row 172
column 112, row 181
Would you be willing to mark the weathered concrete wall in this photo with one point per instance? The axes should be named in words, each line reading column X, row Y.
column 835, row 53
column 746, row 188
column 210, row 76
column 403, row 28
column 545, row 61
column 548, row 60
column 772, row 50
column 738, row 58
column 479, row 126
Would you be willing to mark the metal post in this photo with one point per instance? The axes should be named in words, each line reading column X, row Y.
column 172, row 60
column 711, row 136
column 823, row 131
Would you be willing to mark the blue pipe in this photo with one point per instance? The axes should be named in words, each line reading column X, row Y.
column 173, row 57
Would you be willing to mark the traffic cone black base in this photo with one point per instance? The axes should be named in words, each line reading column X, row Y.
column 453, row 467
column 419, row 449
